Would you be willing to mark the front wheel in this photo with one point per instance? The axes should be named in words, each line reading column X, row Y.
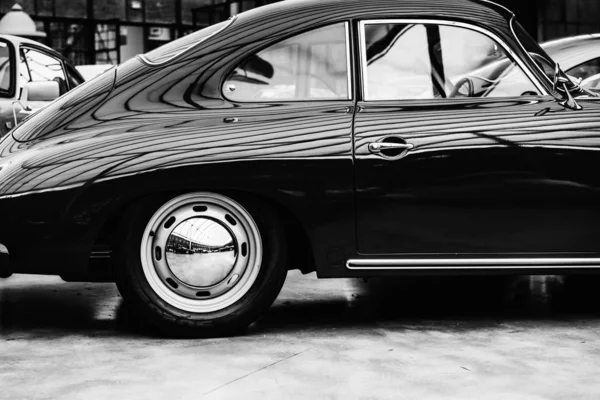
column 200, row 264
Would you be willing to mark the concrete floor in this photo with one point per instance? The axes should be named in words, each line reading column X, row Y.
column 437, row 338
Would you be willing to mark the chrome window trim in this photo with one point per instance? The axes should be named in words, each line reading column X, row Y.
column 349, row 62
column 471, row 263
column 145, row 60
column 363, row 54
column 512, row 30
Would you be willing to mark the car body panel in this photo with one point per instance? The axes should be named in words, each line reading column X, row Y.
column 144, row 130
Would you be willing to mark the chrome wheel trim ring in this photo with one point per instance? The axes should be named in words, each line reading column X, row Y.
column 224, row 293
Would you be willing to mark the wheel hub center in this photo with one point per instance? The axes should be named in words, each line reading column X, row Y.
column 201, row 252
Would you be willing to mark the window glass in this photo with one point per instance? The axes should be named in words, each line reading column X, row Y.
column 310, row 66
column 586, row 69
column 592, row 83
column 427, row 61
column 398, row 65
column 5, row 68
column 539, row 55
column 37, row 66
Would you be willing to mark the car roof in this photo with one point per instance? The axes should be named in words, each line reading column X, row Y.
column 291, row 16
column 17, row 41
column 467, row 8
column 572, row 51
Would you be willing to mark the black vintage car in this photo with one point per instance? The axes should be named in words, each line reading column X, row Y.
column 353, row 138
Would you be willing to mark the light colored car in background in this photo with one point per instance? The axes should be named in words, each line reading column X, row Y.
column 91, row 71
column 31, row 76
column 578, row 56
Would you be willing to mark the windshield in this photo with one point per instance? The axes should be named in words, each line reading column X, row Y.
column 5, row 69
column 179, row 46
column 539, row 56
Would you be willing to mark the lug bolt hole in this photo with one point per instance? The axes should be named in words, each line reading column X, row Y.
column 171, row 282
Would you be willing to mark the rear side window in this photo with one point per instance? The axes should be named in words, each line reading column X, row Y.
column 6, row 69
column 310, row 66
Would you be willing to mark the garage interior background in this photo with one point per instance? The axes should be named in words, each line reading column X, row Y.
column 112, row 31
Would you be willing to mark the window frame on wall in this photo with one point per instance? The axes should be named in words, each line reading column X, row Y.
column 362, row 51
column 349, row 68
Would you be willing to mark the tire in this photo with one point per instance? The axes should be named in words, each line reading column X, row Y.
column 176, row 269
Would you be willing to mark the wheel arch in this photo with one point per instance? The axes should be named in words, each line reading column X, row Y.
column 300, row 249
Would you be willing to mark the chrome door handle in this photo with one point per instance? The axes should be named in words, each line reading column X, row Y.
column 377, row 147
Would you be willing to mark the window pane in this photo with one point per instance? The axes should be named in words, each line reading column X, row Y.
column 592, row 83
column 541, row 58
column 426, row 61
column 43, row 67
column 311, row 66
column 160, row 11
column 71, row 8
column 476, row 66
column 188, row 5
column 5, row 68
column 44, row 7
column 398, row 65
column 586, row 69
column 107, row 9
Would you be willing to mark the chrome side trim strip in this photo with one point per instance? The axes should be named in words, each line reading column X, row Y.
column 472, row 263
column 509, row 51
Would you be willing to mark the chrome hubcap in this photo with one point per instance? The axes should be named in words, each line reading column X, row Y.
column 201, row 252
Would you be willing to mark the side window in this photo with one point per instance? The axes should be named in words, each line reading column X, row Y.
column 6, row 64
column 585, row 70
column 310, row 66
column 37, row 66
column 428, row 61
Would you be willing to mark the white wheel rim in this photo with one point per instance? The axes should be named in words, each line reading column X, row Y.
column 218, row 295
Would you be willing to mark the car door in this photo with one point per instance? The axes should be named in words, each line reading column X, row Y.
column 38, row 66
column 447, row 148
